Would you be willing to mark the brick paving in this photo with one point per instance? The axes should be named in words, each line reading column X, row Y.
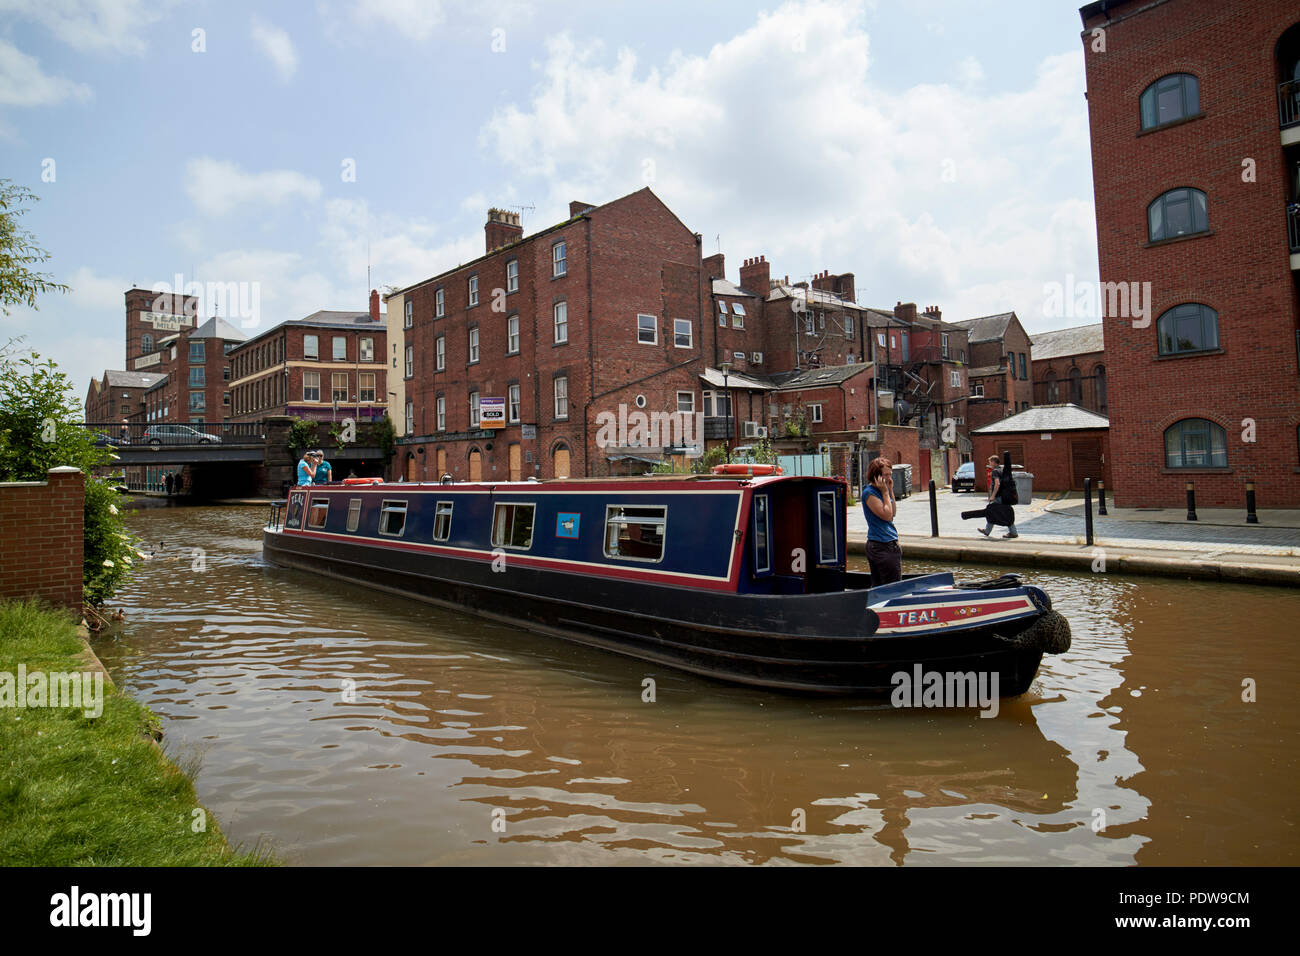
column 1051, row 520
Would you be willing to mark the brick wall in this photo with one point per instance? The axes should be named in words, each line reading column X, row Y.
column 42, row 544
column 1239, row 267
column 1049, row 459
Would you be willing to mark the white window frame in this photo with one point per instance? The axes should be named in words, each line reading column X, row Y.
column 561, row 395
column 440, row 510
column 337, row 345
column 473, row 290
column 441, row 411
column 306, row 377
column 977, row 389
column 654, row 329
column 473, row 345
column 683, row 327
column 612, row 520
column 354, row 515
column 500, row 541
column 334, row 388
column 392, row 506
column 737, row 315
column 513, row 395
column 439, row 303
column 512, row 334
column 512, row 275
column 410, row 361
column 559, row 259
column 410, row 418
column 690, row 403
column 722, row 313
column 474, row 410
column 362, row 389
column 440, row 353
column 954, row 376
column 409, row 320
column 311, row 348
column 560, row 317
column 815, row 412
column 367, row 350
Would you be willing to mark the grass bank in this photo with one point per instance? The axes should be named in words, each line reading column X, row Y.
column 89, row 791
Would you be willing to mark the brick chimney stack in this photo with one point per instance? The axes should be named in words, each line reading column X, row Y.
column 715, row 266
column 841, row 285
column 502, row 228
column 932, row 311
column 374, row 305
column 905, row 311
column 577, row 208
column 756, row 275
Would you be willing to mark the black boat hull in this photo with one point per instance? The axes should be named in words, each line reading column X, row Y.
column 816, row 643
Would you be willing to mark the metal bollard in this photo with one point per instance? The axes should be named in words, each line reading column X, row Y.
column 934, row 511
column 1087, row 510
column 1251, row 517
column 1191, row 501
column 1101, row 497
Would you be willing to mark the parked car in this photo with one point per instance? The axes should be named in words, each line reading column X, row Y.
column 103, row 440
column 964, row 478
column 178, row 435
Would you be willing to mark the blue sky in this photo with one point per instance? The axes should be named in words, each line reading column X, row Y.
column 938, row 150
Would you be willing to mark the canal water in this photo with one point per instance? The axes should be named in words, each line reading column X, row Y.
column 338, row 725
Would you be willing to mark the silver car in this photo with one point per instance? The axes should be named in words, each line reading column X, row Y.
column 178, row 435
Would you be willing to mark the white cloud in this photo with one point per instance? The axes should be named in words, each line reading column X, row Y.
column 216, row 187
column 413, row 18
column 944, row 194
column 24, row 83
column 969, row 71
column 276, row 45
column 98, row 26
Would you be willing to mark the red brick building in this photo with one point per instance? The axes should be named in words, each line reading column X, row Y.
column 1060, row 445
column 1195, row 123
column 118, row 396
column 1069, row 365
column 152, row 317
column 41, row 550
column 327, row 366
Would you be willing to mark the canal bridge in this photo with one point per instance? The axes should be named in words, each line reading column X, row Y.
column 231, row 459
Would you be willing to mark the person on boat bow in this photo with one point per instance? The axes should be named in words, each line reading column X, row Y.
column 324, row 472
column 307, row 468
column 878, row 503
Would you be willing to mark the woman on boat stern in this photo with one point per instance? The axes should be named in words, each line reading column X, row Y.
column 880, row 507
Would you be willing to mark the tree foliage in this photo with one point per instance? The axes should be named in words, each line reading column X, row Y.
column 20, row 283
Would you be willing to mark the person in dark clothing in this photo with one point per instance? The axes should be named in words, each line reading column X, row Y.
column 169, row 482
column 1001, row 498
column 883, row 553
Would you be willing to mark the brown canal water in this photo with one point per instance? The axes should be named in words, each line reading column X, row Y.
column 469, row 742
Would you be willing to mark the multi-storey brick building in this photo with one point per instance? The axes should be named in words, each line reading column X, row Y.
column 193, row 374
column 1194, row 110
column 1069, row 366
column 327, row 366
column 118, row 397
column 152, row 317
column 1000, row 383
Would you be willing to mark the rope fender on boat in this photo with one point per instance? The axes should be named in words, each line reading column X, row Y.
column 1050, row 634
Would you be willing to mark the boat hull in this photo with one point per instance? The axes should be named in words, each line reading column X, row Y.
column 814, row 643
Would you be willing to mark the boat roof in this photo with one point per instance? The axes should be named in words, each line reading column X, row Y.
column 610, row 483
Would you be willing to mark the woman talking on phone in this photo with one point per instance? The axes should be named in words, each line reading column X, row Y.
column 883, row 553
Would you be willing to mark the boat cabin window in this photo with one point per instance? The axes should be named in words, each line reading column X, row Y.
column 442, row 521
column 392, row 517
column 635, row 532
column 762, row 532
column 354, row 514
column 317, row 513
column 827, row 528
column 512, row 526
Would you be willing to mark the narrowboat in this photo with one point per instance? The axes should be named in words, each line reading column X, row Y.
column 737, row 577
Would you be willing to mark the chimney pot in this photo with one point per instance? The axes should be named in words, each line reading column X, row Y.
column 374, row 305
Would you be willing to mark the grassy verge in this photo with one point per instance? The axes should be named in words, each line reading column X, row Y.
column 79, row 791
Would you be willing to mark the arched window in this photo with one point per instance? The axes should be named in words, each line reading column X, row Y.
column 1189, row 327
column 1179, row 212
column 1173, row 97
column 146, row 344
column 1053, row 392
column 561, row 460
column 1195, row 443
column 1076, row 387
column 1099, row 377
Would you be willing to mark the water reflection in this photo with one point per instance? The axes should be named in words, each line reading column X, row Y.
column 353, row 727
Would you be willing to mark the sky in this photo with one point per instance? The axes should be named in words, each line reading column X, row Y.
column 936, row 149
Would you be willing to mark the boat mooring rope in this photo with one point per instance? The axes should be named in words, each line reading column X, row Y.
column 1049, row 634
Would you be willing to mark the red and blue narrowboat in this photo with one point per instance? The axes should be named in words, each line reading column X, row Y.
column 737, row 577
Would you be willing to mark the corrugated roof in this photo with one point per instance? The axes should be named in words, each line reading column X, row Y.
column 984, row 371
column 734, row 380
column 120, row 379
column 810, row 378
column 815, row 297
column 1046, row 418
column 987, row 328
column 1058, row 343
column 218, row 328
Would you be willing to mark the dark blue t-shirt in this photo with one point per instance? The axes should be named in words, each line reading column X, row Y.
column 878, row 529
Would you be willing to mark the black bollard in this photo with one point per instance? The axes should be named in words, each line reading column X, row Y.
column 1191, row 501
column 934, row 511
column 1251, row 517
column 1087, row 510
column 1101, row 497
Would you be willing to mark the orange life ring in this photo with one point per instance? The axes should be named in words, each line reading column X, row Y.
column 363, row 481
column 742, row 468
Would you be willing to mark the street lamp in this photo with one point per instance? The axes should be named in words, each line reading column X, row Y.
column 726, row 370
